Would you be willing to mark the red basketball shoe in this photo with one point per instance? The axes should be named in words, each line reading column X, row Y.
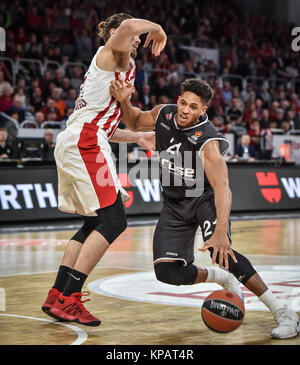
column 50, row 300
column 71, row 309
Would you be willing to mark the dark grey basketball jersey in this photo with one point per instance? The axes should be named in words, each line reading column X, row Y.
column 178, row 150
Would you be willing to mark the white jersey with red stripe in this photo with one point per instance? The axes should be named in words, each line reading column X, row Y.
column 87, row 176
column 94, row 104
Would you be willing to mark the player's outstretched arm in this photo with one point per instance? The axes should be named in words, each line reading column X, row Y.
column 217, row 174
column 145, row 139
column 119, row 45
column 121, row 39
column 134, row 118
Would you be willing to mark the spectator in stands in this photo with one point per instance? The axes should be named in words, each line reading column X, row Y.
column 39, row 118
column 136, row 101
column 17, row 108
column 49, row 107
column 33, row 52
column 139, row 75
column 60, row 104
column 3, row 83
column 77, row 78
column 255, row 134
column 295, row 100
column 245, row 150
column 68, row 113
column 291, row 70
column 218, row 98
column 200, row 71
column 291, row 118
column 66, row 86
column 188, row 69
column 20, row 96
column 236, row 95
column 6, row 150
column 248, row 95
column 265, row 119
column 145, row 95
column 285, row 126
column 297, row 120
column 276, row 123
column 53, row 116
column 161, row 87
column 71, row 98
column 264, row 95
column 233, row 114
column 48, row 145
column 174, row 87
column 37, row 101
column 153, row 101
column 227, row 92
column 163, row 99
column 273, row 110
column 6, row 99
column 259, row 107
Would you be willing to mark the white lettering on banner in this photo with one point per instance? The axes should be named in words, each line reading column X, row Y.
column 8, row 195
column 25, row 188
column 48, row 194
column 146, row 189
column 292, row 186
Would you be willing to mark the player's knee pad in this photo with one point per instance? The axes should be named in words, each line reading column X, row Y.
column 89, row 224
column 242, row 269
column 175, row 273
column 111, row 229
column 113, row 220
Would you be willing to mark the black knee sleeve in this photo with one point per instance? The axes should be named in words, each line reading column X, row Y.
column 175, row 273
column 242, row 269
column 113, row 220
column 89, row 224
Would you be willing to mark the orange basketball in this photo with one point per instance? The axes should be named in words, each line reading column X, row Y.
column 223, row 311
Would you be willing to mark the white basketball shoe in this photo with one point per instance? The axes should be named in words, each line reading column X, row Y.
column 288, row 323
column 232, row 284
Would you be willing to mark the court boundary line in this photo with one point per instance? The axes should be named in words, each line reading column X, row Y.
column 82, row 336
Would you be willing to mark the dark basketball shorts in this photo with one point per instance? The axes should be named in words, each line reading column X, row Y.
column 175, row 231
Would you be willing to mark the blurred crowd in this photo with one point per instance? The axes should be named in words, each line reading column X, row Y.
column 62, row 35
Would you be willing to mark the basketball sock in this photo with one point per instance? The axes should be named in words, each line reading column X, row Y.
column 62, row 277
column 74, row 283
column 269, row 299
column 217, row 275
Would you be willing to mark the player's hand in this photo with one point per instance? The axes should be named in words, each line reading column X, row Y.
column 221, row 245
column 121, row 90
column 147, row 140
column 159, row 39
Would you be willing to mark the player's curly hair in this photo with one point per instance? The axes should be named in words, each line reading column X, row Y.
column 113, row 21
column 200, row 88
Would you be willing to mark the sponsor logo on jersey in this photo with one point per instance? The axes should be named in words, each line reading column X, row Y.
column 174, row 148
column 165, row 126
column 169, row 116
column 198, row 134
column 192, row 140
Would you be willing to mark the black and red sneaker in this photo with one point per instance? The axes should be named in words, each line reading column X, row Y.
column 72, row 309
column 50, row 300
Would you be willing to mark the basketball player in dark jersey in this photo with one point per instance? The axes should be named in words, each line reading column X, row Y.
column 194, row 179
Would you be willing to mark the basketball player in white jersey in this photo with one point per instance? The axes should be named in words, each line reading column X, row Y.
column 87, row 180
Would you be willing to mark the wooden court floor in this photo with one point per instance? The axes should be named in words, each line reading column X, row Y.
column 28, row 264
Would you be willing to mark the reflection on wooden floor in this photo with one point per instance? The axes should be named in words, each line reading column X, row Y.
column 28, row 264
